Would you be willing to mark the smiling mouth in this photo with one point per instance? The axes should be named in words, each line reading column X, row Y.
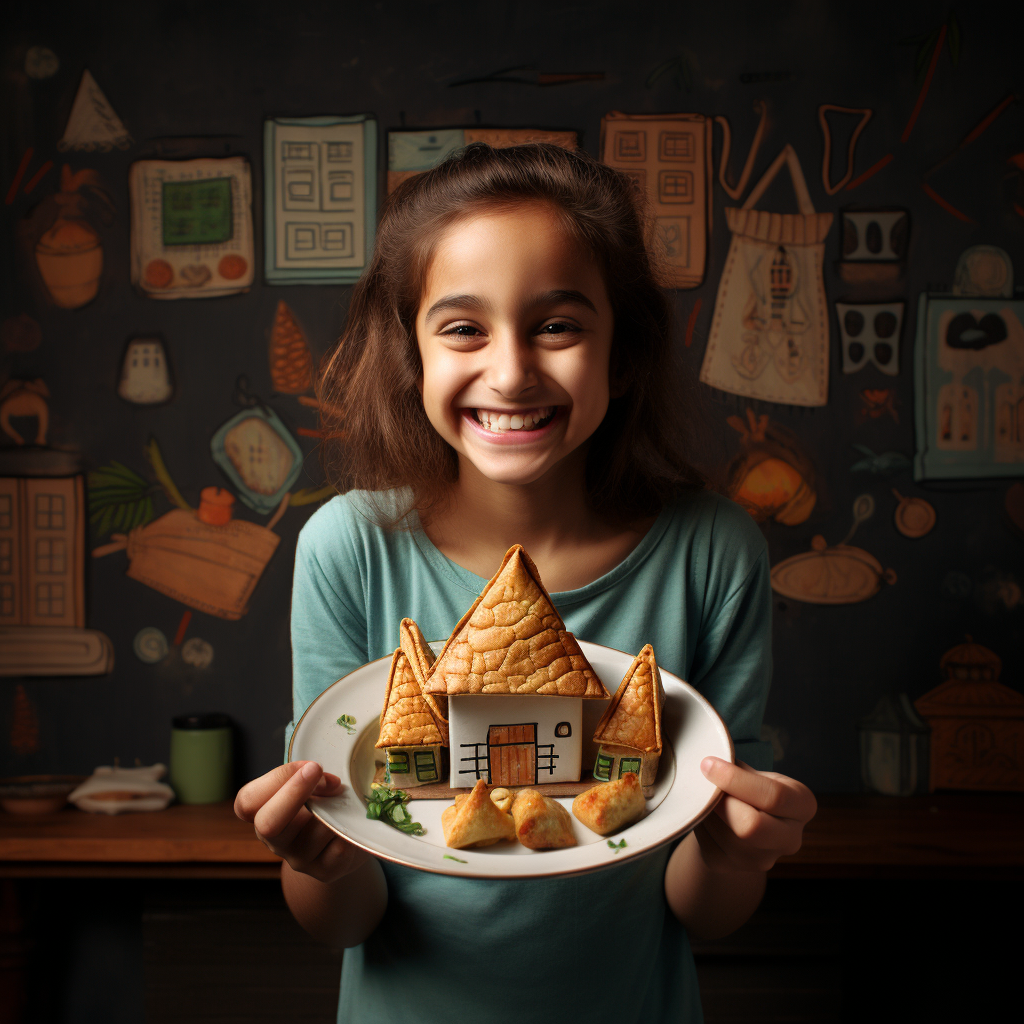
column 498, row 422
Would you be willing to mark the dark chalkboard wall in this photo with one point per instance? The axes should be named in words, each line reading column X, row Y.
column 188, row 70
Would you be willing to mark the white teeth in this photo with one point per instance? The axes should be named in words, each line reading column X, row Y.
column 500, row 423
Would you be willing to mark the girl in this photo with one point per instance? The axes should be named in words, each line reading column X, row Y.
column 505, row 377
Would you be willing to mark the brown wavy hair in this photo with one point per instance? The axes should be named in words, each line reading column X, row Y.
column 376, row 434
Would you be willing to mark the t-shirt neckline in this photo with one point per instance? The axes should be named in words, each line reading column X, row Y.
column 473, row 583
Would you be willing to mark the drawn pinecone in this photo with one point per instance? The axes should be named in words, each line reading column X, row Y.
column 291, row 363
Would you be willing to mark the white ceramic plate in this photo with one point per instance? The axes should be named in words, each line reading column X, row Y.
column 691, row 730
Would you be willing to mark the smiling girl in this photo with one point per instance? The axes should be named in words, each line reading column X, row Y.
column 506, row 376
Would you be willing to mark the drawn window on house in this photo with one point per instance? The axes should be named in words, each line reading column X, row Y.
column 629, row 764
column 398, row 762
column 339, row 152
column 5, row 512
column 426, row 769
column 6, row 557
column 340, row 186
column 563, row 729
column 479, row 761
column 297, row 150
column 630, row 145
column 51, row 555
column 49, row 512
column 6, row 599
column 50, row 599
column 677, row 146
column 675, row 186
column 603, row 767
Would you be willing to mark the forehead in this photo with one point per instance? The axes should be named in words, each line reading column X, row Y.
column 507, row 247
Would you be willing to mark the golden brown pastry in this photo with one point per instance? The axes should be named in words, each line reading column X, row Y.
column 475, row 820
column 610, row 805
column 512, row 640
column 541, row 823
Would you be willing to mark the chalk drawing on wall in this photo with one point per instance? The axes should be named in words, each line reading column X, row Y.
column 320, row 193
column 191, row 227
column 412, row 153
column 92, row 123
column 969, row 379
column 769, row 334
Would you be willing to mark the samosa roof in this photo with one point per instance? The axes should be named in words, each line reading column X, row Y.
column 513, row 641
column 633, row 718
column 421, row 659
column 406, row 720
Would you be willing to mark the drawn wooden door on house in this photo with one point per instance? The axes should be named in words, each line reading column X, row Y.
column 512, row 754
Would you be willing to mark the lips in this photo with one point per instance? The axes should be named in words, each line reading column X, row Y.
column 496, row 426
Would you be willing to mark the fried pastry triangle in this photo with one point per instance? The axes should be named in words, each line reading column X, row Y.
column 512, row 640
column 633, row 718
column 421, row 659
column 407, row 719
column 474, row 820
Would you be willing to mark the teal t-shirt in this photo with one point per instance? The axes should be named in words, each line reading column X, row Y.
column 605, row 944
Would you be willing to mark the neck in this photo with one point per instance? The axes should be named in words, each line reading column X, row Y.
column 485, row 518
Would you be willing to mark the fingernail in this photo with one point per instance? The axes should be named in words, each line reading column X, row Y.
column 311, row 771
column 708, row 764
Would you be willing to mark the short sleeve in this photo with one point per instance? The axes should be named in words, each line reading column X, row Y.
column 732, row 664
column 328, row 616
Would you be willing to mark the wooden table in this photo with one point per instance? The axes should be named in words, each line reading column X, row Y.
column 853, row 836
column 182, row 841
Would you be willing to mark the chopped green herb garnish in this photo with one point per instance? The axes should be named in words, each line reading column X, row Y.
column 347, row 722
column 388, row 805
column 620, row 845
column 448, row 856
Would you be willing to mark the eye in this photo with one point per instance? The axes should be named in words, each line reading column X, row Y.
column 559, row 327
column 460, row 331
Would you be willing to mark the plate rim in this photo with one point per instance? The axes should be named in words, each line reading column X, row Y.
column 690, row 825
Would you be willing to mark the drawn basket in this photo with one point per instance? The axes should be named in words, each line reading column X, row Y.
column 213, row 569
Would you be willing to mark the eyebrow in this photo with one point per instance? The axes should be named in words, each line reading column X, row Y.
column 558, row 295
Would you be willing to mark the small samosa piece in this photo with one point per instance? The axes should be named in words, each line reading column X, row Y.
column 541, row 823
column 610, row 805
column 474, row 820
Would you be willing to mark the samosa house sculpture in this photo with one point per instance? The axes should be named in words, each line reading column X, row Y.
column 505, row 699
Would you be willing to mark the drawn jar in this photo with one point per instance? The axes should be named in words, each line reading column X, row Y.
column 60, row 238
column 70, row 260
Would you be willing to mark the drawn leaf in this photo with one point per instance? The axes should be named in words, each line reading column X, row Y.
column 104, row 524
column 660, row 70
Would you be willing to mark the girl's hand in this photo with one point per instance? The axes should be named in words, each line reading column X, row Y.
column 760, row 817
column 275, row 804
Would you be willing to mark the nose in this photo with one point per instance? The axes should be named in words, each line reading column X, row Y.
column 511, row 368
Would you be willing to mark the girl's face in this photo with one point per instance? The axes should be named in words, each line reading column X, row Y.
column 515, row 332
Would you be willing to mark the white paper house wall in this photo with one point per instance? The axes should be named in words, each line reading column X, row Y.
column 514, row 740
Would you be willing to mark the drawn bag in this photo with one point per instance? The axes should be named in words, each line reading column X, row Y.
column 769, row 336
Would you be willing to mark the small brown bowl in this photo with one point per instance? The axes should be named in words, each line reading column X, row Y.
column 37, row 794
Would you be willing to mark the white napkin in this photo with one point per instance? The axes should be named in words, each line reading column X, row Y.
column 111, row 790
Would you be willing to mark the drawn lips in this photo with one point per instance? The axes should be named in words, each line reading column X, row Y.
column 967, row 332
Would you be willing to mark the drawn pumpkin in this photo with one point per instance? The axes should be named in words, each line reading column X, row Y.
column 770, row 478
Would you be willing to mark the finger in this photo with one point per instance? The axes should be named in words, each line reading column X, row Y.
column 757, row 829
column 253, row 795
column 280, row 810
column 329, row 785
column 735, row 853
column 303, row 841
column 338, row 858
column 767, row 791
